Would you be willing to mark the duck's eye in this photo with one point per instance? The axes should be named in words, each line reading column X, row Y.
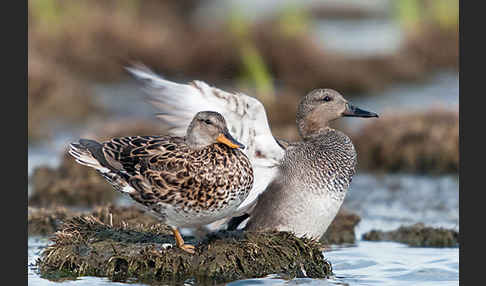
column 327, row 98
column 207, row 121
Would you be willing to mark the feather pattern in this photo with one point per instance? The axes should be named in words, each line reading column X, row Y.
column 165, row 175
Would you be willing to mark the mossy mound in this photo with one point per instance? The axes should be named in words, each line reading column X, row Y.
column 42, row 221
column 417, row 235
column 341, row 229
column 45, row 221
column 87, row 247
column 71, row 184
column 422, row 142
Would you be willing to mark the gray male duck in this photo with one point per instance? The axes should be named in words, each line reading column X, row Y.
column 315, row 174
column 298, row 187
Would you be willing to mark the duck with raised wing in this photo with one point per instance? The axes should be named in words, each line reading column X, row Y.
column 185, row 181
column 299, row 187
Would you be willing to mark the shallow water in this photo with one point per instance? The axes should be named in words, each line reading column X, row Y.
column 385, row 202
column 214, row 11
column 388, row 263
column 360, row 37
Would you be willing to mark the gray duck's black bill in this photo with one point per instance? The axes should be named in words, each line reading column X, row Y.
column 228, row 140
column 353, row 111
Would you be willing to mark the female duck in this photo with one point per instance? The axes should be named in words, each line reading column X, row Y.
column 184, row 181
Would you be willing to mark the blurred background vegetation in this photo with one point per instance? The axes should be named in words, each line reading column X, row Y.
column 276, row 51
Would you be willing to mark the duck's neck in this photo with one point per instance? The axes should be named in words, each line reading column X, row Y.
column 196, row 142
column 309, row 129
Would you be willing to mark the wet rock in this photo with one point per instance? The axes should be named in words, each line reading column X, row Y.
column 86, row 246
column 341, row 229
column 422, row 142
column 417, row 235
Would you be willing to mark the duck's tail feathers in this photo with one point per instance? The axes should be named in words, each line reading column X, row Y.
column 84, row 150
column 90, row 153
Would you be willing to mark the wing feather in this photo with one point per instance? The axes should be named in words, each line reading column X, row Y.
column 245, row 116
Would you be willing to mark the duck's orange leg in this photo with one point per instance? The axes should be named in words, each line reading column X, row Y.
column 180, row 242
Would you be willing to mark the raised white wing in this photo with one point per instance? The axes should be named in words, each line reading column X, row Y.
column 245, row 117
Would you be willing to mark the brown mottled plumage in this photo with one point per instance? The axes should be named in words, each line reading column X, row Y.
column 185, row 181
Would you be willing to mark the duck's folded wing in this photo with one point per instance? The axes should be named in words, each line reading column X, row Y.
column 245, row 116
column 124, row 153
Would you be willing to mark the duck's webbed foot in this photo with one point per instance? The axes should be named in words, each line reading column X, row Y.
column 180, row 242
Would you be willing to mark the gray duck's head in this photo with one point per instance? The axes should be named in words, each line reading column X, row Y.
column 321, row 106
column 209, row 127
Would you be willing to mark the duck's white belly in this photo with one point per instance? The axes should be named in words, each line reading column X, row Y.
column 177, row 217
column 189, row 219
column 312, row 214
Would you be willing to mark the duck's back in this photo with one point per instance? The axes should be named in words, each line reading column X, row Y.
column 314, row 177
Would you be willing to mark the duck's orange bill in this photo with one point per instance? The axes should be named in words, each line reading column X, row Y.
column 228, row 140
